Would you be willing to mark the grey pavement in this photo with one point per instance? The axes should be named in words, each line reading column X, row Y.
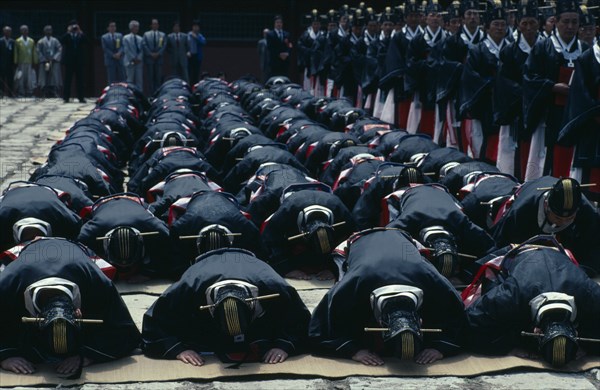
column 29, row 127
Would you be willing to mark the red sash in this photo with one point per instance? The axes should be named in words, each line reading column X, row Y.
column 564, row 76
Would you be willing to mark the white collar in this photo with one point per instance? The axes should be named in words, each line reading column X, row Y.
column 493, row 47
column 430, row 37
column 468, row 38
column 597, row 52
column 410, row 34
column 382, row 36
column 312, row 33
column 563, row 48
column 353, row 38
column 368, row 38
column 524, row 45
column 341, row 32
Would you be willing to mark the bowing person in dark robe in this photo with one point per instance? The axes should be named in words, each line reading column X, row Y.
column 552, row 206
column 538, row 289
column 43, row 206
column 513, row 143
column 216, row 306
column 428, row 212
column 387, row 284
column 582, row 118
column 128, row 236
column 301, row 235
column 209, row 220
column 476, row 102
column 546, row 81
column 55, row 284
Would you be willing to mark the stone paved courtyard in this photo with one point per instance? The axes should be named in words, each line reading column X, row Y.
column 28, row 128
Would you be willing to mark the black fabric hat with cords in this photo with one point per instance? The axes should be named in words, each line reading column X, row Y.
column 408, row 176
column 554, row 314
column 124, row 247
column 395, row 307
column 213, row 237
column 559, row 344
column 587, row 15
column 564, row 198
column 567, row 6
column 232, row 312
column 316, row 222
column 58, row 329
column 454, row 11
column 495, row 11
column 433, row 7
column 445, row 253
column 468, row 5
column 387, row 16
column 528, row 9
column 412, row 7
column 312, row 17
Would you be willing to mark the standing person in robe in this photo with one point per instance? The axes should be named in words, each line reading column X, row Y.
column 387, row 21
column 55, row 282
column 345, row 79
column 476, row 94
column 305, row 49
column 408, row 296
column 582, row 118
column 49, row 54
column 514, row 141
column 455, row 48
column 546, row 80
column 25, row 57
column 421, row 68
column 234, row 324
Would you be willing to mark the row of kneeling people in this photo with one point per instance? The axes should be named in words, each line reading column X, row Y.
column 276, row 171
column 59, row 307
column 189, row 149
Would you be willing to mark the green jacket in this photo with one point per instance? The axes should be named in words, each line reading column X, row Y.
column 25, row 54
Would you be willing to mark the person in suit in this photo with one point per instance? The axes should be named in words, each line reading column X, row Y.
column 7, row 49
column 112, row 46
column 197, row 42
column 154, row 45
column 132, row 55
column 179, row 51
column 49, row 52
column 25, row 57
column 263, row 56
column 74, row 53
column 279, row 45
